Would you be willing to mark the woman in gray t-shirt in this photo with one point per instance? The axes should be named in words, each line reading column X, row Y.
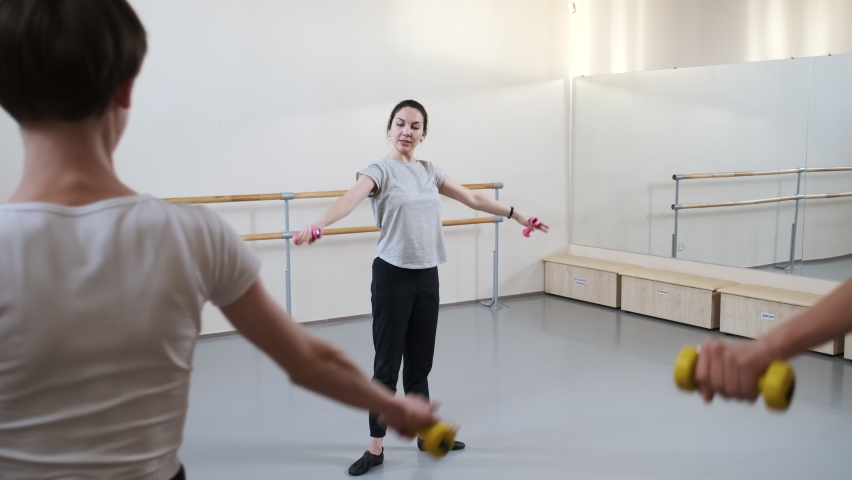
column 404, row 193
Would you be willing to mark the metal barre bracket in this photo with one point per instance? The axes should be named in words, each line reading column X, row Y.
column 498, row 185
column 288, row 196
column 677, row 177
column 498, row 219
column 677, row 206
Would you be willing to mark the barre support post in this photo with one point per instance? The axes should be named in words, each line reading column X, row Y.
column 677, row 179
column 287, row 196
column 791, row 263
column 494, row 302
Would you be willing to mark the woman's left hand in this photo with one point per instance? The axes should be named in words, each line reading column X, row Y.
column 525, row 221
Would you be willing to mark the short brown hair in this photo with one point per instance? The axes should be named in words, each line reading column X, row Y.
column 65, row 59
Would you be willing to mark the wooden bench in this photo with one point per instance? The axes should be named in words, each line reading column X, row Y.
column 678, row 297
column 847, row 350
column 583, row 278
column 752, row 310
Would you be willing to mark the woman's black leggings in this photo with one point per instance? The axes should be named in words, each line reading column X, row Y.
column 405, row 320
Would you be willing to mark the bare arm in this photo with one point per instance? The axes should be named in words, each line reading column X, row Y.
column 828, row 319
column 478, row 201
column 731, row 368
column 318, row 365
column 342, row 207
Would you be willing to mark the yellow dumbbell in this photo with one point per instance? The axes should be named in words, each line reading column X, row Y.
column 438, row 439
column 776, row 385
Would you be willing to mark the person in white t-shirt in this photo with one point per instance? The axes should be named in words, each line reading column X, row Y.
column 101, row 288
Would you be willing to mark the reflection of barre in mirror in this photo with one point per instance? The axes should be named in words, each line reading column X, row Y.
column 287, row 234
column 776, row 385
column 677, row 206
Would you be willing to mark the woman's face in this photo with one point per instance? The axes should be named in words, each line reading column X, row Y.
column 406, row 130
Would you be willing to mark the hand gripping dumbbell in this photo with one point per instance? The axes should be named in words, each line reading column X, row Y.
column 776, row 385
column 535, row 222
column 316, row 234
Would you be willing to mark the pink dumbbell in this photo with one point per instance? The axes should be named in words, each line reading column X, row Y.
column 535, row 222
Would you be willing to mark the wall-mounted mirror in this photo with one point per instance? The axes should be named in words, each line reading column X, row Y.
column 653, row 154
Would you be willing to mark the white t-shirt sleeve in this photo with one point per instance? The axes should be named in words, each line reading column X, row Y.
column 231, row 267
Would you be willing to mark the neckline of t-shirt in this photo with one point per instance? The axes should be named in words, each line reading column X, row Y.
column 418, row 162
column 80, row 209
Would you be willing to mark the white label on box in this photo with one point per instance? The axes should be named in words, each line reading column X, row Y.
column 663, row 292
column 579, row 281
column 767, row 316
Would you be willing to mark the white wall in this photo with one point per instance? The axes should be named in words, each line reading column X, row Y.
column 258, row 96
column 614, row 36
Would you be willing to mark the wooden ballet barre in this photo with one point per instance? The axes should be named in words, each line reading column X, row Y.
column 366, row 229
column 264, row 236
column 340, row 193
column 827, row 195
column 693, row 176
column 764, row 200
column 829, row 169
column 327, row 194
column 259, row 197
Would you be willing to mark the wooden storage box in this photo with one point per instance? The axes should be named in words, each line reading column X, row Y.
column 583, row 278
column 847, row 348
column 752, row 310
column 678, row 297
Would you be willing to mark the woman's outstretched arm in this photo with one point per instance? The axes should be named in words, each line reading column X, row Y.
column 342, row 207
column 478, row 201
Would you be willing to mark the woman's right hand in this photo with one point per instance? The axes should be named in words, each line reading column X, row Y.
column 306, row 235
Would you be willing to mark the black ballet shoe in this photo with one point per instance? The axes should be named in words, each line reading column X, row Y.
column 456, row 446
column 366, row 462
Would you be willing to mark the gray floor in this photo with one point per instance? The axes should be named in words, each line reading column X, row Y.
column 547, row 388
column 836, row 269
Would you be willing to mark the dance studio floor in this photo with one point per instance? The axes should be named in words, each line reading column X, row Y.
column 546, row 388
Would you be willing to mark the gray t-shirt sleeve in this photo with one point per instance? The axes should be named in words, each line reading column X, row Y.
column 374, row 171
column 438, row 173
